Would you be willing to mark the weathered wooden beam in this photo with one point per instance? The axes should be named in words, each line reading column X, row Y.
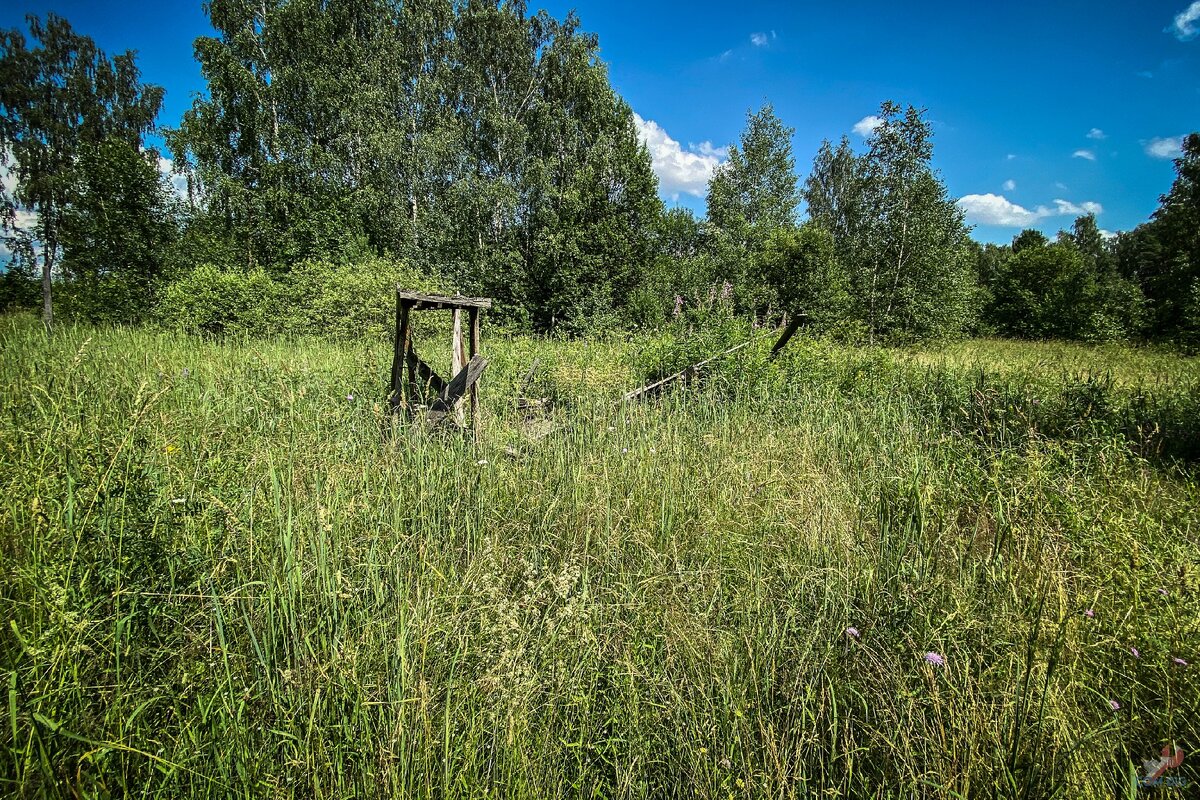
column 433, row 302
column 455, row 390
column 402, row 348
column 458, row 358
column 685, row 373
column 473, row 391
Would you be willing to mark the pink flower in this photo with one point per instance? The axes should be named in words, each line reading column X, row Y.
column 852, row 632
column 935, row 659
column 1114, row 705
column 1090, row 613
column 1162, row 591
column 1179, row 662
column 1135, row 652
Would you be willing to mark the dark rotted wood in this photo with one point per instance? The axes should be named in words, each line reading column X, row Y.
column 473, row 391
column 427, row 302
column 788, row 332
column 402, row 349
column 458, row 358
column 422, row 371
column 458, row 387
column 690, row 372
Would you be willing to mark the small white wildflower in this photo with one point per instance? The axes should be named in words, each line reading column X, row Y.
column 481, row 462
column 178, row 500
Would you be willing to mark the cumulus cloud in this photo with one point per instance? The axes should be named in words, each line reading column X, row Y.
column 1096, row 133
column 1164, row 147
column 679, row 171
column 995, row 209
column 1086, row 154
column 866, row 125
column 1185, row 25
column 166, row 168
column 758, row 39
column 1009, row 185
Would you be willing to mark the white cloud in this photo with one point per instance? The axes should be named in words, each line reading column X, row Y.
column 1184, row 26
column 995, row 209
column 866, row 125
column 1063, row 208
column 1164, row 147
column 1009, row 185
column 1010, row 157
column 679, row 171
column 177, row 181
column 1088, row 154
column 1096, row 133
column 759, row 39
column 708, row 149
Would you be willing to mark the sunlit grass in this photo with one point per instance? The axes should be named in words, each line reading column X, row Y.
column 226, row 572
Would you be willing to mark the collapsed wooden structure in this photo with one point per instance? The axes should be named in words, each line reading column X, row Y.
column 414, row 384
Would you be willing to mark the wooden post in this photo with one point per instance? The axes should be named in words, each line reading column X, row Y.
column 400, row 354
column 458, row 359
column 473, row 322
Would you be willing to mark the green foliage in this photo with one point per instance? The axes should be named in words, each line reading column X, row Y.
column 63, row 106
column 1163, row 255
column 472, row 139
column 1067, row 290
column 899, row 236
column 319, row 298
column 800, row 274
column 752, row 195
column 115, row 233
column 215, row 301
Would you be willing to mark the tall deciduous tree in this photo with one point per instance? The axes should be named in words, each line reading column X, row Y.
column 57, row 98
column 1163, row 255
column 754, row 192
column 900, row 237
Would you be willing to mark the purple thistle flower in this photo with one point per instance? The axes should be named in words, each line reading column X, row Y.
column 935, row 659
column 1090, row 613
column 1114, row 705
column 1179, row 662
column 852, row 632
column 1135, row 652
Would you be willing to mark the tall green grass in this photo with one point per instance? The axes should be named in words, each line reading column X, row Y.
column 227, row 572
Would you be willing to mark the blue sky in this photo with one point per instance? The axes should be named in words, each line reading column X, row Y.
column 1040, row 111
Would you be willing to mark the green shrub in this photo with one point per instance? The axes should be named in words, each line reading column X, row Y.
column 341, row 301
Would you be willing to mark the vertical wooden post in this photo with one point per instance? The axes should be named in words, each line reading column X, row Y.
column 473, row 322
column 400, row 354
column 458, row 359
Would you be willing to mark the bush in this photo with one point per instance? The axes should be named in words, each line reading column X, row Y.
column 342, row 301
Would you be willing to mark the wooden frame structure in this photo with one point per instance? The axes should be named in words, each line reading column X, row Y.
column 420, row 376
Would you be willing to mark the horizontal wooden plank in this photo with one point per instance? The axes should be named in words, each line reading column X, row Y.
column 423, row 302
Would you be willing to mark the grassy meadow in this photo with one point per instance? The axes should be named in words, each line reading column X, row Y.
column 226, row 572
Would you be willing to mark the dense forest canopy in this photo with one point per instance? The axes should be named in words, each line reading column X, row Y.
column 477, row 146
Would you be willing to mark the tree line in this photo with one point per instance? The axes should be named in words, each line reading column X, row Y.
column 471, row 145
